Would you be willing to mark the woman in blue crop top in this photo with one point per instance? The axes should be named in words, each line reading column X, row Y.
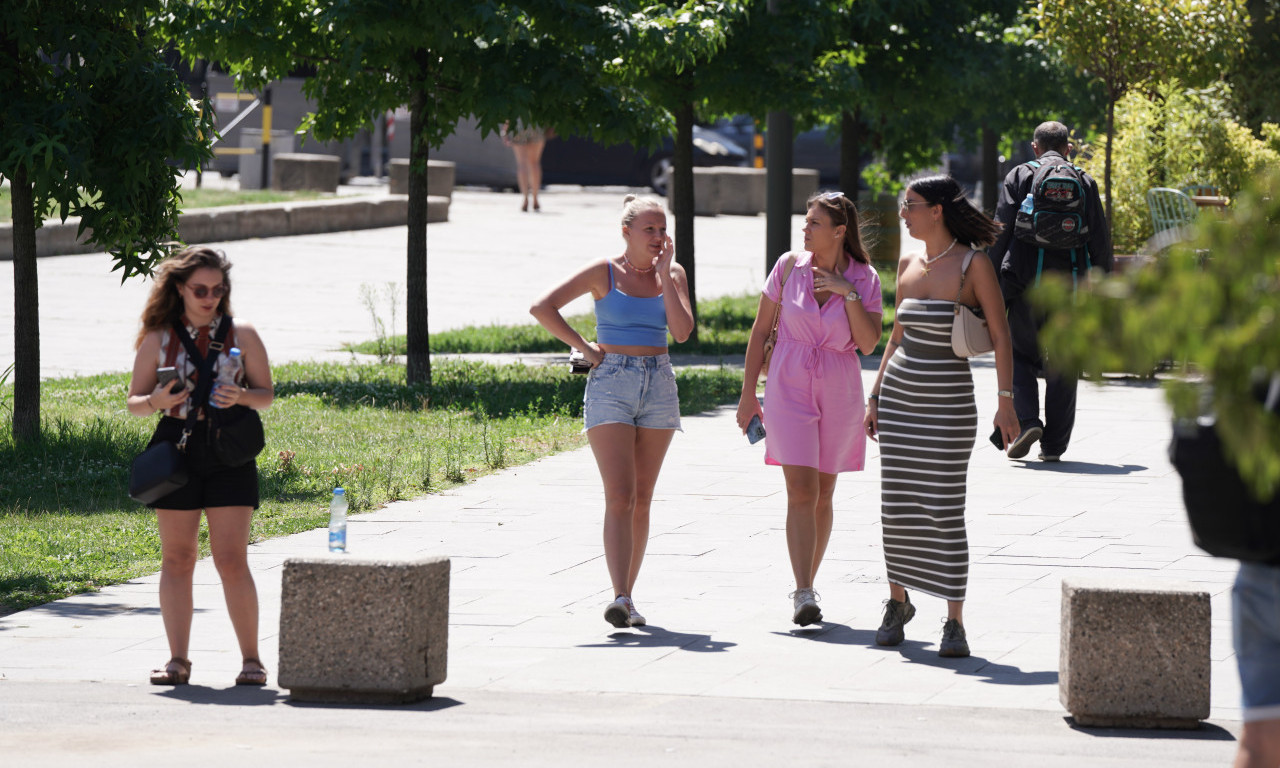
column 631, row 408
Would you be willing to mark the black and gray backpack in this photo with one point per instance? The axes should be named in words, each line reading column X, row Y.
column 1054, row 214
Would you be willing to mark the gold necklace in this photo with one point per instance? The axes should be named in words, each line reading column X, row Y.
column 927, row 260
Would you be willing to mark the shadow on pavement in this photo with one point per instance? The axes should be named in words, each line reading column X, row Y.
column 233, row 695
column 65, row 609
column 656, row 637
column 834, row 633
column 1082, row 467
column 433, row 704
column 1206, row 732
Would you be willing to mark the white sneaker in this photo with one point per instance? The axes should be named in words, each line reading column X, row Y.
column 619, row 612
column 806, row 607
column 636, row 619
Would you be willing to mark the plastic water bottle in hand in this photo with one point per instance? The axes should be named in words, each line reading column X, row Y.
column 228, row 373
column 338, row 521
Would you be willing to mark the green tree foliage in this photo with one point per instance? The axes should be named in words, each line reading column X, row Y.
column 1179, row 137
column 540, row 62
column 93, row 124
column 1127, row 44
column 1256, row 75
column 1221, row 314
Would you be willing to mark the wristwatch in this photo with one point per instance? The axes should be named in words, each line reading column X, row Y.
column 852, row 295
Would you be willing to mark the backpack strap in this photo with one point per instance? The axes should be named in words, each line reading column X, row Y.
column 1033, row 163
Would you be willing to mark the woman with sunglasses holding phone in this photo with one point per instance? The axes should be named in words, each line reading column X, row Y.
column 191, row 294
column 922, row 406
column 829, row 301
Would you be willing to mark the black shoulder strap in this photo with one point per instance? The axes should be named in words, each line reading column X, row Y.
column 204, row 364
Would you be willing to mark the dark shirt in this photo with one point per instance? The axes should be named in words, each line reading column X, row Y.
column 1015, row 260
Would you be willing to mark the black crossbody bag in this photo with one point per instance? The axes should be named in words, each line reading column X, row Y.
column 235, row 434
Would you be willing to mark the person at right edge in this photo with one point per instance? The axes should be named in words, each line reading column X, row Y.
column 1053, row 222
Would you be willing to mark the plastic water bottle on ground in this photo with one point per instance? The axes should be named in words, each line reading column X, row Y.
column 338, row 521
column 228, row 373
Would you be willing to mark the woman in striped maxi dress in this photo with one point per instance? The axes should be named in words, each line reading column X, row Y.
column 922, row 406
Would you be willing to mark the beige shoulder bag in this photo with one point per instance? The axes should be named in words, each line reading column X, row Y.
column 969, row 333
column 777, row 314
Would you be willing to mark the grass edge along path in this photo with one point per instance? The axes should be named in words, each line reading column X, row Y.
column 68, row 526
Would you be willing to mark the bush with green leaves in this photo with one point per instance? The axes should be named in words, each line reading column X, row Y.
column 1213, row 303
column 1175, row 138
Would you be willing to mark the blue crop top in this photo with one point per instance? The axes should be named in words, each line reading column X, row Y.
column 625, row 320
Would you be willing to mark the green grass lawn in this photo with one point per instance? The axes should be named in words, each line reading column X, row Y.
column 67, row 524
column 196, row 198
column 724, row 325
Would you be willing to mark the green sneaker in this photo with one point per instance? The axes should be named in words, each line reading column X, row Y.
column 953, row 645
column 896, row 615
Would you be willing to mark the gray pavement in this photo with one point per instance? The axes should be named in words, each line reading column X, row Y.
column 535, row 675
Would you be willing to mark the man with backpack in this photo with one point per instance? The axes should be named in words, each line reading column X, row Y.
column 1053, row 222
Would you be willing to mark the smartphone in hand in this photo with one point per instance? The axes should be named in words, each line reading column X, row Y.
column 755, row 430
column 169, row 374
column 578, row 363
column 997, row 439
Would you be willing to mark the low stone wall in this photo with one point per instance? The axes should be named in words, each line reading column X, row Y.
column 440, row 177
column 742, row 191
column 241, row 222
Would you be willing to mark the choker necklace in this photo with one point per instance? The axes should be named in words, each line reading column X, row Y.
column 638, row 270
column 929, row 260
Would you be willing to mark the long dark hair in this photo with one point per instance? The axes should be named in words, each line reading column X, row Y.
column 962, row 218
column 843, row 213
column 164, row 305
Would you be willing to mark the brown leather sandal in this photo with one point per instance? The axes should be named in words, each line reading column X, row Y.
column 170, row 676
column 253, row 676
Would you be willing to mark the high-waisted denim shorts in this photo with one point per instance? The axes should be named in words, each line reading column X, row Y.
column 636, row 390
column 1256, row 626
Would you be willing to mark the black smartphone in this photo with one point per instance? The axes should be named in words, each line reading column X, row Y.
column 578, row 363
column 755, row 430
column 997, row 439
column 169, row 374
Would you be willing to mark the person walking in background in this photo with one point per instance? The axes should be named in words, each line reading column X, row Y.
column 631, row 408
column 922, row 406
column 1021, row 253
column 828, row 305
column 192, row 295
column 527, row 144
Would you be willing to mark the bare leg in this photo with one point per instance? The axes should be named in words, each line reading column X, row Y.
column 651, row 449
column 614, row 446
column 522, row 172
column 802, row 526
column 824, row 519
column 1259, row 745
column 229, row 540
column 955, row 610
column 179, row 549
column 534, row 170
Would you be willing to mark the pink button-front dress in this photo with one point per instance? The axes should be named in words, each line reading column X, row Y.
column 813, row 403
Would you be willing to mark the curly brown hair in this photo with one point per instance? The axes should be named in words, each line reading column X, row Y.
column 843, row 213
column 164, row 305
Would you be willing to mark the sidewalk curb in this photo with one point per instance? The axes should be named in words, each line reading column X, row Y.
column 242, row 222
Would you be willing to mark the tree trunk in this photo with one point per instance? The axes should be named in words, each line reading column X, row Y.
column 418, row 342
column 26, row 312
column 990, row 168
column 850, row 154
column 682, row 192
column 1111, row 125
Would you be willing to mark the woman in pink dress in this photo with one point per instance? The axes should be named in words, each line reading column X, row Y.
column 830, row 311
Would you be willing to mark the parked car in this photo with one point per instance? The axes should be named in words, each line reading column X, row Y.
column 575, row 160
column 818, row 148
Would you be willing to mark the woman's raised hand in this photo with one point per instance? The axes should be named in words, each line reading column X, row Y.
column 825, row 280
column 162, row 399
column 666, row 256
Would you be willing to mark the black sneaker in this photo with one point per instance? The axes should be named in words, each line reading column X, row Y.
column 1022, row 443
column 953, row 645
column 896, row 615
column 1047, row 456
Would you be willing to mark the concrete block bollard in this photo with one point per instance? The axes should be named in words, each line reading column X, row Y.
column 304, row 171
column 743, row 191
column 804, row 185
column 367, row 631
column 706, row 192
column 440, row 177
column 1134, row 653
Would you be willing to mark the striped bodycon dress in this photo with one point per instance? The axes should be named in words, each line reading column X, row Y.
column 927, row 424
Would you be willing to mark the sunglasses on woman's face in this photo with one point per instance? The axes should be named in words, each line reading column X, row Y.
column 203, row 291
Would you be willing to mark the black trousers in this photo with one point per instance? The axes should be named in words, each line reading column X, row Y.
column 1028, row 365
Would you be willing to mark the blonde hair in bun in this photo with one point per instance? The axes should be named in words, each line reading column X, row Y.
column 634, row 205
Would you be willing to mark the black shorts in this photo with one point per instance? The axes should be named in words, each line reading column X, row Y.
column 212, row 484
